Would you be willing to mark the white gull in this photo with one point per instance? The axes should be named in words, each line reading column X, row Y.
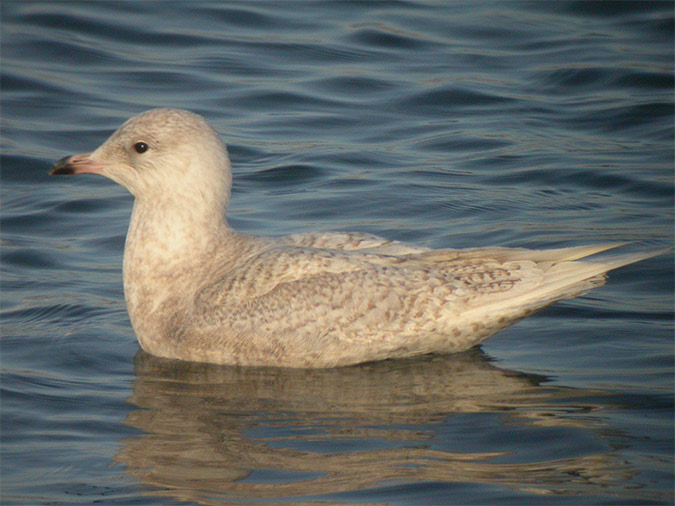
column 197, row 290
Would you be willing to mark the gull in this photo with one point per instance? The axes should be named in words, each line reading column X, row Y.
column 197, row 290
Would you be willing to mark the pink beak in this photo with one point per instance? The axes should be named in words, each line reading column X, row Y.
column 76, row 164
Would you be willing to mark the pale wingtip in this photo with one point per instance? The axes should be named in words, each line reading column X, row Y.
column 577, row 252
column 616, row 261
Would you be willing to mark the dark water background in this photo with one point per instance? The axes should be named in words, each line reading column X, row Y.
column 449, row 124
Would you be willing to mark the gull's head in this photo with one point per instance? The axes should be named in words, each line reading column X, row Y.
column 160, row 153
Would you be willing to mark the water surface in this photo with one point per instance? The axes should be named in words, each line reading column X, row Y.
column 450, row 125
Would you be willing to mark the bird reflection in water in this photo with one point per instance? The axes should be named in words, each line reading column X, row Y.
column 215, row 433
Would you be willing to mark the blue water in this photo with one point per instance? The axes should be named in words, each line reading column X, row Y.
column 448, row 124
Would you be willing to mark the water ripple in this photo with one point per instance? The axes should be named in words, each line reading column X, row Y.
column 450, row 124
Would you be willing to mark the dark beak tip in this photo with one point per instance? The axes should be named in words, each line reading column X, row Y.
column 61, row 171
column 62, row 167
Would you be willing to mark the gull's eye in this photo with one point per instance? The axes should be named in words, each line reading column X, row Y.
column 141, row 147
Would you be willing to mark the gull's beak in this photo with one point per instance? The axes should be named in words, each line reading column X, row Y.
column 77, row 164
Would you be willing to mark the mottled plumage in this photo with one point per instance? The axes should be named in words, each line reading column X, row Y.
column 198, row 290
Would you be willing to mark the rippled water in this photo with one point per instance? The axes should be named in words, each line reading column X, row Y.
column 451, row 125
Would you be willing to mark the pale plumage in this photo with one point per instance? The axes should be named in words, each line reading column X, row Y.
column 197, row 290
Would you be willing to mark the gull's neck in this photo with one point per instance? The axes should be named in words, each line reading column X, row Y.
column 166, row 236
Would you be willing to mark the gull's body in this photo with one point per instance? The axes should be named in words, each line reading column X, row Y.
column 197, row 290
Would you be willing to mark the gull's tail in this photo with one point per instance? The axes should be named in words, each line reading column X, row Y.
column 562, row 275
